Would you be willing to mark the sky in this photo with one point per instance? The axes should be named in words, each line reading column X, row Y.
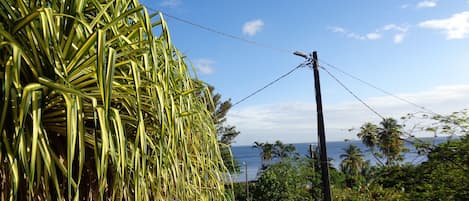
column 414, row 49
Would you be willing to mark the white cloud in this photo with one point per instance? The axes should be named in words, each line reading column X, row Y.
column 373, row 36
column 404, row 6
column 252, row 27
column 426, row 4
column 296, row 122
column 205, row 66
column 171, row 3
column 398, row 38
column 355, row 36
column 455, row 27
column 393, row 27
column 400, row 29
column 337, row 29
column 348, row 34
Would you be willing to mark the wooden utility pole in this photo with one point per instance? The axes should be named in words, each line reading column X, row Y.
column 247, row 182
column 326, row 186
column 312, row 149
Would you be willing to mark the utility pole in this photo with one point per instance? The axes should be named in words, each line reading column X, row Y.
column 247, row 182
column 312, row 150
column 326, row 186
column 321, row 133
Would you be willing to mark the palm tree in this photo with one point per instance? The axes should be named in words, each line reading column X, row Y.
column 266, row 153
column 391, row 145
column 352, row 164
column 369, row 136
column 284, row 151
column 386, row 137
column 96, row 107
column 352, row 160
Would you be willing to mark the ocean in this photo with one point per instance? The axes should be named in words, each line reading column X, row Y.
column 251, row 156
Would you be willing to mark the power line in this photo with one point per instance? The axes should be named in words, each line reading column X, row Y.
column 431, row 148
column 268, row 85
column 378, row 88
column 283, row 50
column 353, row 94
column 271, row 47
column 224, row 34
column 227, row 35
column 244, row 40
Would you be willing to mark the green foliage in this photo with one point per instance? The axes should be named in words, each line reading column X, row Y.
column 397, row 177
column 284, row 181
column 368, row 193
column 96, row 107
column 445, row 175
column 239, row 190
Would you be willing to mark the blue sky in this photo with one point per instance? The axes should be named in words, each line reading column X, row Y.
column 416, row 49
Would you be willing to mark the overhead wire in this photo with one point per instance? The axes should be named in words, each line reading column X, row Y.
column 244, row 40
column 352, row 93
column 224, row 34
column 416, row 140
column 378, row 88
column 227, row 35
column 278, row 49
column 268, row 85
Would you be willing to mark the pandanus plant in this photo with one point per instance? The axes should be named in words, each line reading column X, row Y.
column 95, row 106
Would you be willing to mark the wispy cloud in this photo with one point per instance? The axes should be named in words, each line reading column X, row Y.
column 296, row 121
column 251, row 28
column 399, row 33
column 404, row 6
column 171, row 3
column 205, row 66
column 355, row 36
column 346, row 33
column 455, row 27
column 394, row 27
column 427, row 4
column 337, row 29
column 373, row 36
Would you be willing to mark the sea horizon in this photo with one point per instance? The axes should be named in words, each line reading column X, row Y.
column 247, row 154
column 345, row 140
